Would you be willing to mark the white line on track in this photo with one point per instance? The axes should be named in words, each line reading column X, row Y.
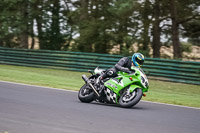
column 76, row 92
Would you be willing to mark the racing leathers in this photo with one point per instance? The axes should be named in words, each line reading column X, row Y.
column 124, row 65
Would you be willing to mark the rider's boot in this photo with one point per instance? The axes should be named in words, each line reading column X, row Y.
column 99, row 84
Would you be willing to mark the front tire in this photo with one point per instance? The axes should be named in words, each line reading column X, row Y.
column 86, row 94
column 128, row 101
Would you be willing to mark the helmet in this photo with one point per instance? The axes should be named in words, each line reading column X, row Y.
column 138, row 59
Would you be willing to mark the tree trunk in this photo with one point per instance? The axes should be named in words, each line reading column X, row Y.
column 38, row 17
column 1, row 40
column 146, row 23
column 55, row 35
column 156, row 30
column 24, row 34
column 40, row 33
column 24, row 40
column 175, row 30
column 84, row 43
column 145, row 37
column 32, row 42
column 32, row 34
column 156, row 40
column 1, row 43
column 84, row 10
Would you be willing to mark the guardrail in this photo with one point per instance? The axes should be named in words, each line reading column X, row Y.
column 162, row 69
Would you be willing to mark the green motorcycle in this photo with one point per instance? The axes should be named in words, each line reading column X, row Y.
column 126, row 89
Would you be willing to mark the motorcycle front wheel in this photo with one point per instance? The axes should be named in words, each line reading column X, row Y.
column 86, row 94
column 129, row 100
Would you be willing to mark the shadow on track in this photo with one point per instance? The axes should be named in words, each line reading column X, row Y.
column 115, row 105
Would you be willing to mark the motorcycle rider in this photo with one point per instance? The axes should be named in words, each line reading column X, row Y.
column 124, row 64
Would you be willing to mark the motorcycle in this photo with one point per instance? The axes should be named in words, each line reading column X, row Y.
column 126, row 89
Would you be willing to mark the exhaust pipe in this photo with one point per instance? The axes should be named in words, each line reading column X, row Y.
column 84, row 77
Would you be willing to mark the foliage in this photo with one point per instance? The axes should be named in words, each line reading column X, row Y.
column 99, row 25
column 11, row 25
column 186, row 47
column 193, row 31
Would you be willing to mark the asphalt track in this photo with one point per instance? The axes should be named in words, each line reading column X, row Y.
column 32, row 109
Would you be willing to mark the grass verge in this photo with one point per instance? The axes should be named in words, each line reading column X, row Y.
column 164, row 92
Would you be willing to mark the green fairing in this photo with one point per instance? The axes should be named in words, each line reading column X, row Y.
column 123, row 81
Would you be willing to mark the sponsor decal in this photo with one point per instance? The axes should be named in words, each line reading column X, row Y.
column 111, row 85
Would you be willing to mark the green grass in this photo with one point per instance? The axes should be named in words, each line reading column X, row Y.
column 165, row 92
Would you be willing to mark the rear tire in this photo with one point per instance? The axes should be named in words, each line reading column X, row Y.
column 86, row 94
column 128, row 101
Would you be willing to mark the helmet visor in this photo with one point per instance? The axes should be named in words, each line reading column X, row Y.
column 139, row 61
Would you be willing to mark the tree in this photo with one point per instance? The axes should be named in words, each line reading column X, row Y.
column 175, row 29
column 56, row 39
column 146, row 21
column 13, row 30
column 92, row 25
column 159, row 15
column 48, row 24
column 24, row 24
column 98, row 25
column 123, row 24
column 181, row 12
column 84, row 30
column 192, row 31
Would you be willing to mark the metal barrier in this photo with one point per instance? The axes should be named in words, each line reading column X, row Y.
column 162, row 69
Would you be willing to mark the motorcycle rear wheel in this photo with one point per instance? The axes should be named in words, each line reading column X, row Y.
column 128, row 101
column 86, row 94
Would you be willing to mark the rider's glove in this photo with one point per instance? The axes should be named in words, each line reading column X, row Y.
column 126, row 70
column 129, row 72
